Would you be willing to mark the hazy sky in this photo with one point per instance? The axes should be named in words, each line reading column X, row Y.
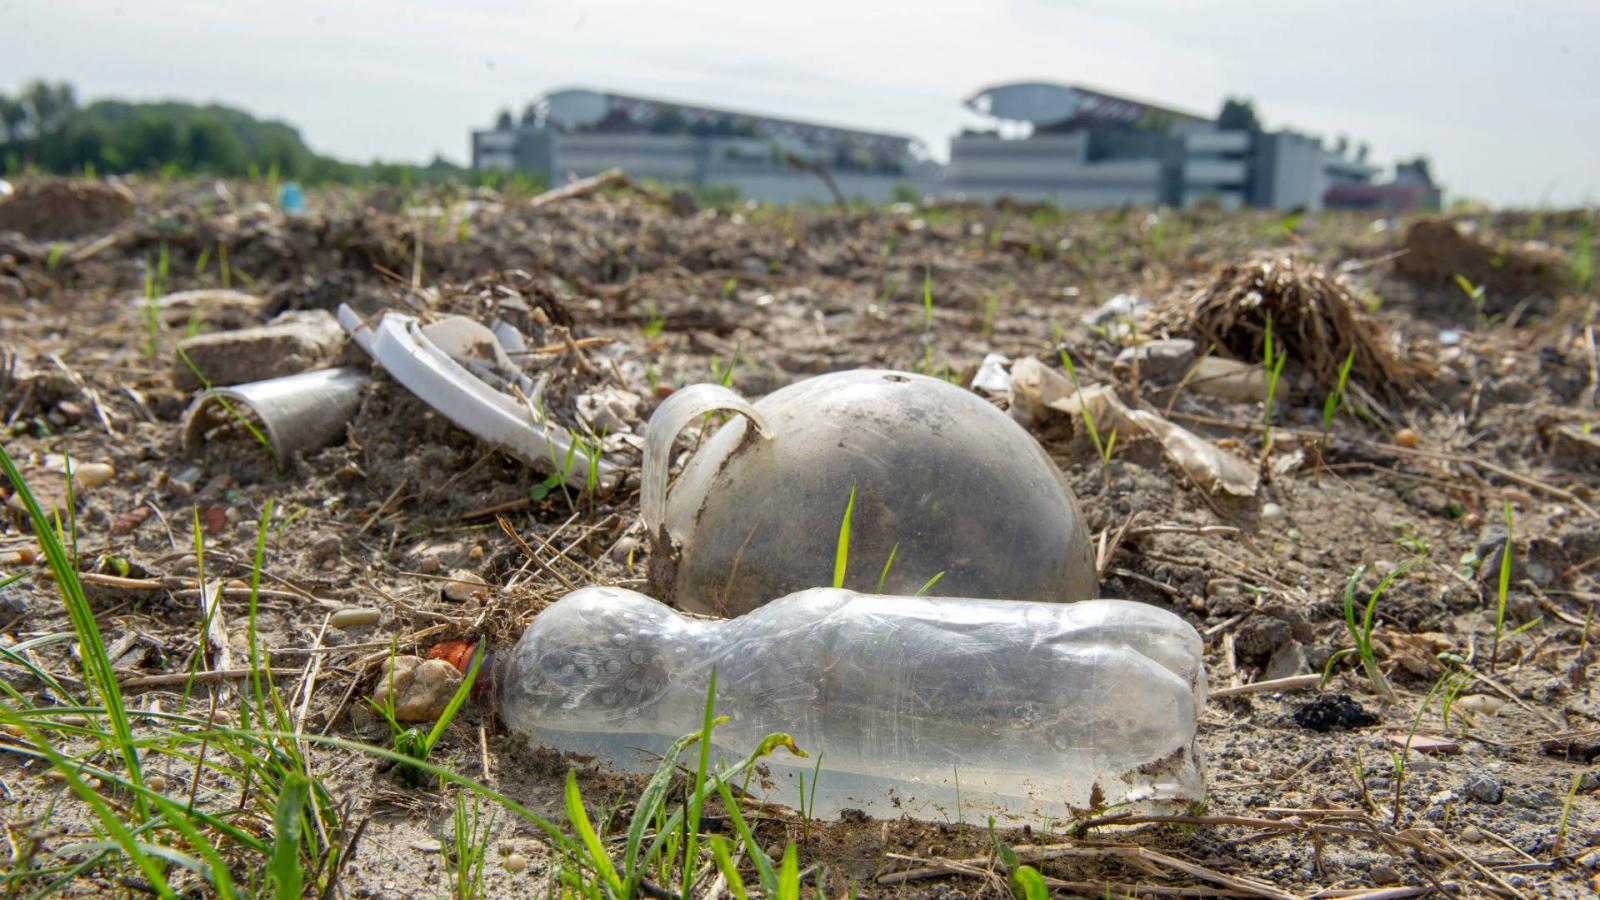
column 1504, row 97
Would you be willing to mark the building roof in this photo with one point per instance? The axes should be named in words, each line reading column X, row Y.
column 583, row 107
column 1056, row 103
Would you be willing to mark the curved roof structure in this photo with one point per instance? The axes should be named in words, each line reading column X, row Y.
column 577, row 108
column 1054, row 103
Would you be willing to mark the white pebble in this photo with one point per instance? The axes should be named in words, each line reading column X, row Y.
column 354, row 617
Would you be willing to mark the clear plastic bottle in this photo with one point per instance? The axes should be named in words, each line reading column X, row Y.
column 1022, row 710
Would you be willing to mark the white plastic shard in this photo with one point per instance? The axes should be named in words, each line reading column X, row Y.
column 1035, row 389
column 948, row 496
column 469, row 386
column 1036, row 710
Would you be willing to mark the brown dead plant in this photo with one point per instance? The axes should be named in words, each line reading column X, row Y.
column 1315, row 318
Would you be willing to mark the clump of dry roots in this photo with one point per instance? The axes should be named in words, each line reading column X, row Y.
column 1315, row 319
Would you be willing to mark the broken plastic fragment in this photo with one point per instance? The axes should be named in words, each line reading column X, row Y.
column 465, row 387
column 1035, row 388
column 297, row 412
column 1030, row 710
column 947, row 496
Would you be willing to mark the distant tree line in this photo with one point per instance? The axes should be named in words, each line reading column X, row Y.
column 43, row 127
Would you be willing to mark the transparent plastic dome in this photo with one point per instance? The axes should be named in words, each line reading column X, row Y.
column 946, row 486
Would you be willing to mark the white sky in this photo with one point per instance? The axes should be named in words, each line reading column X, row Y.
column 1504, row 97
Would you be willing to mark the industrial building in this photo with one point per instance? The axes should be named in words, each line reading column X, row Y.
column 579, row 132
column 1057, row 143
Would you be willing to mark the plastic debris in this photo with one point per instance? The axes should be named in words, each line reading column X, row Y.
column 1036, row 389
column 946, row 494
column 1030, row 710
column 291, row 198
column 1229, row 379
column 1118, row 316
column 460, row 368
column 992, row 376
column 296, row 413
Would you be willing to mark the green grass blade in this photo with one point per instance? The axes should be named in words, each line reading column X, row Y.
column 1027, row 884
column 928, row 586
column 109, row 820
column 594, row 847
column 1008, row 856
column 96, row 665
column 768, row 744
column 841, row 555
column 456, row 700
column 649, row 802
column 696, row 799
column 1330, row 407
column 765, row 872
column 287, row 819
column 884, row 575
column 730, row 872
column 789, row 875
column 1501, row 588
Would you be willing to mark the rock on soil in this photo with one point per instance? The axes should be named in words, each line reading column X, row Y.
column 422, row 687
column 63, row 208
column 293, row 342
column 1437, row 251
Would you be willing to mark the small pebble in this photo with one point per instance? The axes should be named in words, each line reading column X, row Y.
column 92, row 474
column 1471, row 834
column 1480, row 703
column 1485, row 789
column 1405, row 437
column 326, row 546
column 355, row 617
column 1271, row 512
column 465, row 587
column 514, row 862
column 156, row 782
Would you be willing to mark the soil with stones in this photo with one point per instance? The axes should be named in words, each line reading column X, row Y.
column 622, row 297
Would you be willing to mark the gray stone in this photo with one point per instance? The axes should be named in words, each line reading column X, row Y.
column 1485, row 789
column 1163, row 361
column 1289, row 659
column 293, row 342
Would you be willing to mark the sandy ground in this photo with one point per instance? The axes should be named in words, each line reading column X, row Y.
column 620, row 292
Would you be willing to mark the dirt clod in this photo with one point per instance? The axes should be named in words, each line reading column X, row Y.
column 1437, row 251
column 1329, row 712
column 63, row 208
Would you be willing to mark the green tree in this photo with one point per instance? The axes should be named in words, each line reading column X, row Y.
column 1238, row 114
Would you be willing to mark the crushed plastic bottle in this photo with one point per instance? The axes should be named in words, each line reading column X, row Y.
column 1024, row 711
column 944, row 483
